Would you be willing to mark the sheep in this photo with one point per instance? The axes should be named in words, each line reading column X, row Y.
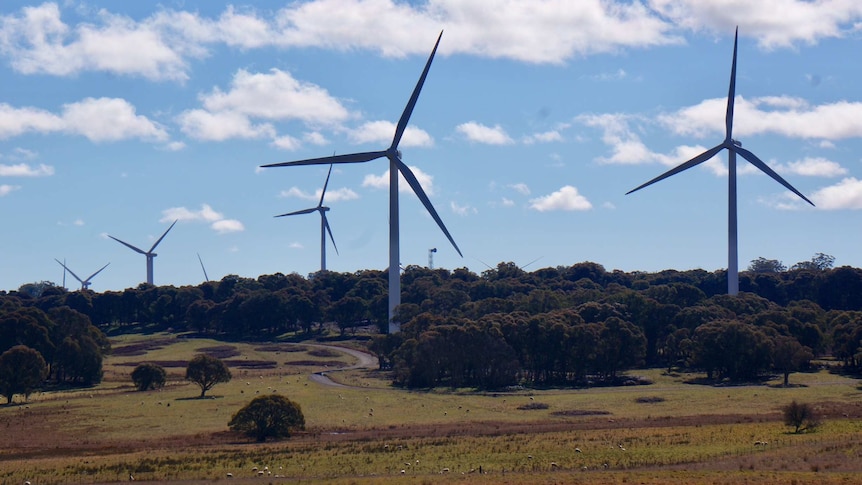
column 230, row 475
column 554, row 464
column 577, row 450
column 445, row 470
column 403, row 471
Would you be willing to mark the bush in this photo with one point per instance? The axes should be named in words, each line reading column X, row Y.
column 149, row 376
column 268, row 416
column 206, row 372
column 801, row 416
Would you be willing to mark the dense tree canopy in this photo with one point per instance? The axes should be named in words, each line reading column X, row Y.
column 206, row 371
column 148, row 376
column 270, row 416
column 22, row 370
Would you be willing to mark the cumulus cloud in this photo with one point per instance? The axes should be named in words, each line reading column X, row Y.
column 520, row 188
column 479, row 133
column 97, row 119
column 462, row 210
column 544, row 137
column 203, row 125
column 382, row 181
column 6, row 189
column 567, row 198
column 25, row 170
column 846, row 194
column 332, row 195
column 813, row 167
column 383, row 131
column 206, row 214
column 276, row 95
column 786, row 116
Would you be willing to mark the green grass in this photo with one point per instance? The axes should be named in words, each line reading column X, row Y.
column 370, row 433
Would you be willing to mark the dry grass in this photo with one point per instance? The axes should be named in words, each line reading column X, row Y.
column 667, row 432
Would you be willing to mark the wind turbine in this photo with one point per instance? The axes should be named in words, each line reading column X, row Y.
column 149, row 254
column 85, row 283
column 733, row 148
column 324, row 223
column 396, row 166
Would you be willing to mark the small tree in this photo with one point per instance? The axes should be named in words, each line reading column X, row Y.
column 148, row 376
column 268, row 416
column 207, row 371
column 801, row 416
column 22, row 369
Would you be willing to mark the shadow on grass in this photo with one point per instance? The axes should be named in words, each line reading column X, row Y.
column 198, row 398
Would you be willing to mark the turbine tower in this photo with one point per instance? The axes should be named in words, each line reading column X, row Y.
column 207, row 278
column 733, row 148
column 85, row 283
column 149, row 254
column 324, row 223
column 396, row 166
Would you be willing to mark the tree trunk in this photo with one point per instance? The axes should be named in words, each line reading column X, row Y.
column 786, row 378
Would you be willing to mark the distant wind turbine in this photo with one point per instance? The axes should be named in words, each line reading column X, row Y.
column 85, row 283
column 324, row 223
column 396, row 165
column 202, row 267
column 149, row 254
column 733, row 148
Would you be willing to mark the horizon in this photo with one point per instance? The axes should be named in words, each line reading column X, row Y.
column 117, row 120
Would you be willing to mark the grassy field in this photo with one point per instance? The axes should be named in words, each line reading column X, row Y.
column 672, row 431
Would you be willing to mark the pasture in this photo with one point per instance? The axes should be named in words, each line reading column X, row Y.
column 671, row 431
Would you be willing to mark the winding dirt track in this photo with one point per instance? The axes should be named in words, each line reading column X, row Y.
column 365, row 361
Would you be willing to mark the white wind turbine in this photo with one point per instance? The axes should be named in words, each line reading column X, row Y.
column 85, row 283
column 324, row 222
column 149, row 254
column 733, row 148
column 396, row 166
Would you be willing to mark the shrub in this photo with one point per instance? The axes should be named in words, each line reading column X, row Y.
column 801, row 416
column 149, row 376
column 268, row 416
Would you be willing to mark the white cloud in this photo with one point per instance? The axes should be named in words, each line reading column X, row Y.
column 813, row 167
column 102, row 119
column 332, row 195
column 287, row 142
column 37, row 41
column 479, row 133
column 610, row 76
column 227, row 225
column 206, row 214
column 846, row 194
column 462, row 210
column 78, row 222
column 382, row 181
column 315, row 138
column 20, row 154
column 798, row 21
column 520, row 188
column 8, row 189
column 544, row 137
column 296, row 245
column 567, row 198
column 384, row 131
column 25, row 170
column 276, row 96
column 203, row 125
column 790, row 117
column 507, row 202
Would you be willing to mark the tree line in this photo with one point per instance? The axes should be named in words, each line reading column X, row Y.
column 565, row 325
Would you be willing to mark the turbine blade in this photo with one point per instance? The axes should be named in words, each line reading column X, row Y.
column 731, row 93
column 768, row 171
column 329, row 230
column 685, row 166
column 417, row 189
column 408, row 110
column 97, row 272
column 70, row 271
column 303, row 211
column 124, row 243
column 163, row 236
column 325, row 184
column 349, row 158
column 202, row 267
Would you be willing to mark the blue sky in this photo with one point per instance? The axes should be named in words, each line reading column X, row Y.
column 117, row 118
